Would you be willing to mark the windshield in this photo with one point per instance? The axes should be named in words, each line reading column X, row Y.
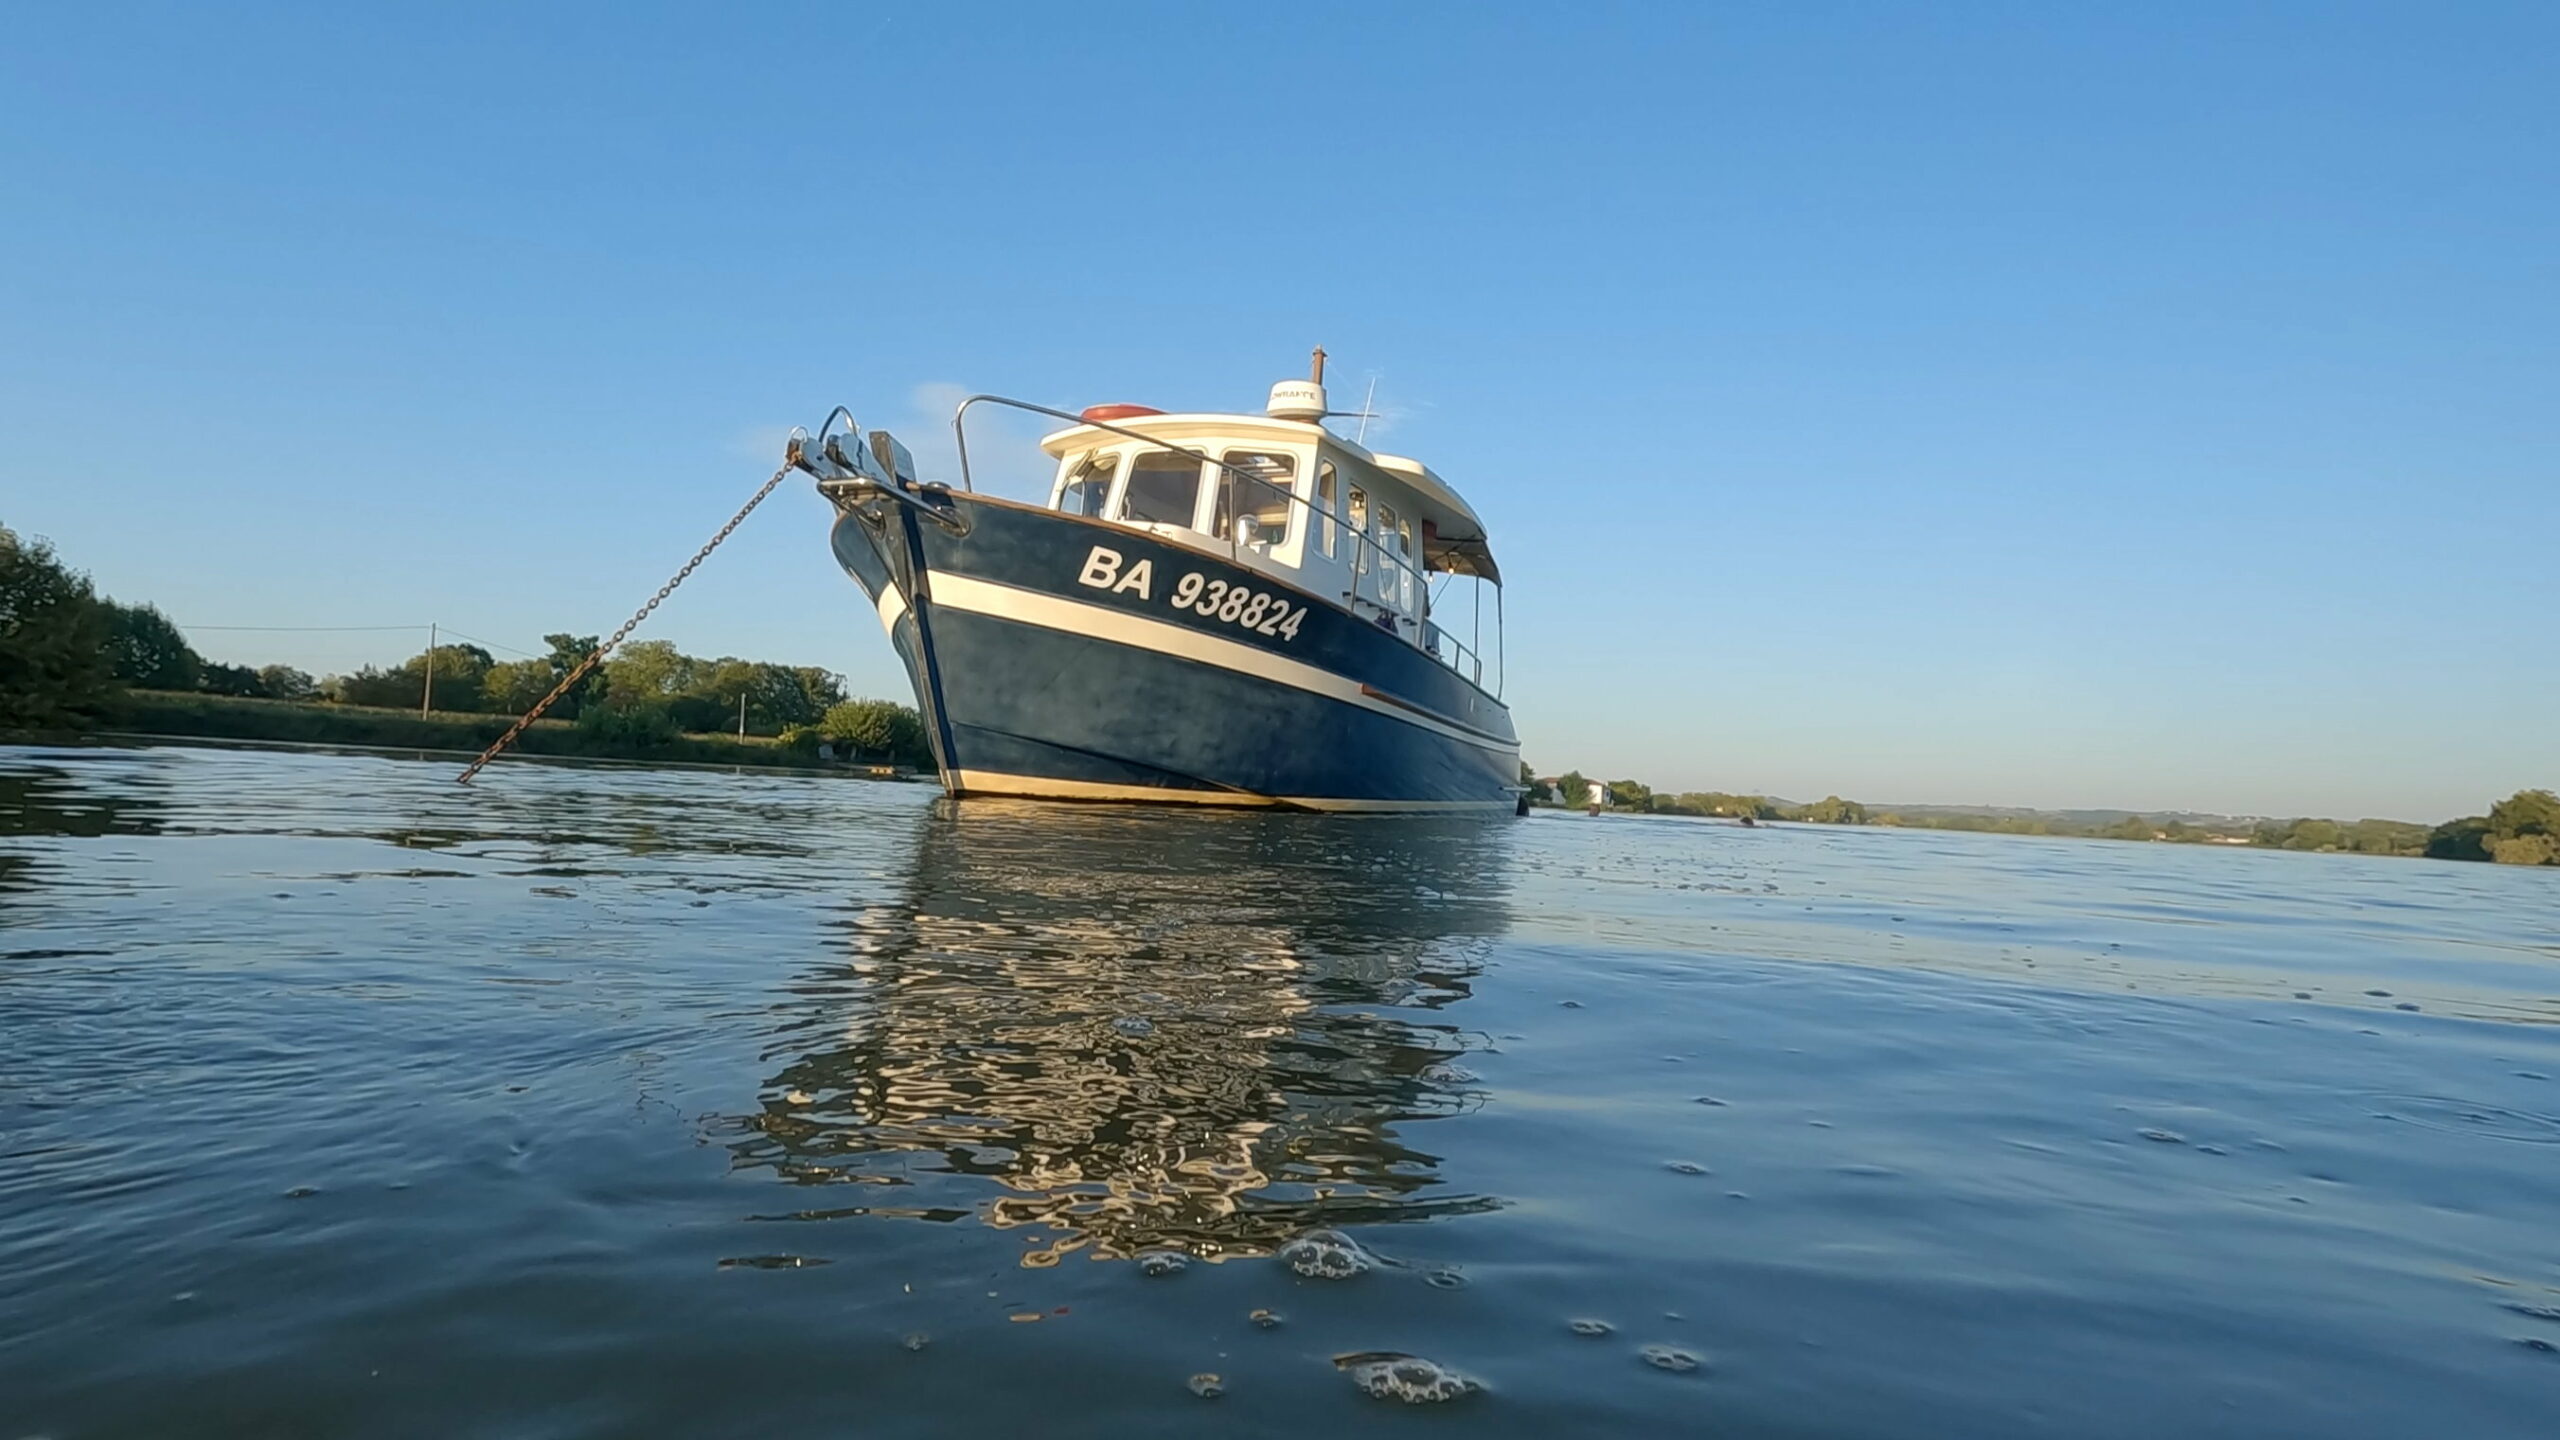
column 1088, row 485
column 1164, row 489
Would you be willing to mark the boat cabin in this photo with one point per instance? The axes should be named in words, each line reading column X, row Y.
column 1281, row 494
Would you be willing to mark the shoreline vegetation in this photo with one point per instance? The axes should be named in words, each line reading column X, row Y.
column 2523, row 829
column 73, row 662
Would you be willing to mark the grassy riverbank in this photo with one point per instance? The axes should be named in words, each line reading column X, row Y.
column 226, row 717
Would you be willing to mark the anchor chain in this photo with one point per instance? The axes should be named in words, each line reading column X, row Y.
column 592, row 661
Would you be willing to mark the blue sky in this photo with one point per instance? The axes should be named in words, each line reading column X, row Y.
column 2034, row 404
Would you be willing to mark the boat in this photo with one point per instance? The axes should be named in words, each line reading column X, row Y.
column 1208, row 609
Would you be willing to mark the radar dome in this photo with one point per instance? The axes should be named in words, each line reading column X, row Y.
column 1296, row 400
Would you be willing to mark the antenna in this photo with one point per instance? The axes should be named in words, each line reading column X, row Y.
column 1368, row 408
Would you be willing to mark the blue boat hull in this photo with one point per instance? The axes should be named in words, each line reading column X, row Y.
column 1049, row 658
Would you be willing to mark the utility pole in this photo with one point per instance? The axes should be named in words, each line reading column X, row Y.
column 427, row 696
column 742, row 714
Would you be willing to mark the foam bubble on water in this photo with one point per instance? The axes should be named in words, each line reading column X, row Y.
column 1266, row 1319
column 1686, row 1167
column 1207, row 1385
column 1445, row 1277
column 915, row 1339
column 2164, row 1137
column 1409, row 1379
column 1326, row 1255
column 1134, row 1025
column 1589, row 1328
column 1669, row 1357
column 1163, row 1262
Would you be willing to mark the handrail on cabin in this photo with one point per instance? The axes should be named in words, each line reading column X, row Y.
column 960, row 442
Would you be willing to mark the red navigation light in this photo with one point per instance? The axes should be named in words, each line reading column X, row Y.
column 1117, row 412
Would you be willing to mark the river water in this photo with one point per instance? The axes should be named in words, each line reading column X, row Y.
column 338, row 1100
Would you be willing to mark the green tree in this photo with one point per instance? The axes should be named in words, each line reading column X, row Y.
column 2525, row 849
column 283, row 682
column 2524, row 829
column 786, row 695
column 878, row 730
column 820, row 690
column 54, row 668
column 459, row 670
column 2384, row 837
column 2463, row 839
column 230, row 680
column 2526, row 812
column 1832, row 810
column 511, row 687
column 370, row 686
column 1572, row 787
column 1717, row 802
column 650, row 670
column 147, row 650
column 568, row 652
column 627, row 723
column 1630, row 795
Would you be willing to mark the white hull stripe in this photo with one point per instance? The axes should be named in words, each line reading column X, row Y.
column 1051, row 612
column 893, row 605
column 994, row 782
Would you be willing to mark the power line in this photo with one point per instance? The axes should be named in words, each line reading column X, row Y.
column 492, row 644
column 311, row 629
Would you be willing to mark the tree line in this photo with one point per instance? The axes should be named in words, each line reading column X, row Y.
column 68, row 657
column 2523, row 829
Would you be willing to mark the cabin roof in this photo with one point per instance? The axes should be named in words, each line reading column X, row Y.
column 1454, row 538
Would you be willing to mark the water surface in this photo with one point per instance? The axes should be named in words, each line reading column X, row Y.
column 335, row 1099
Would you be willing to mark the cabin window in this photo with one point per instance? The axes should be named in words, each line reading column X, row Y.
column 1254, row 485
column 1406, row 580
column 1394, row 583
column 1359, row 529
column 1164, row 489
column 1089, row 485
column 1324, row 504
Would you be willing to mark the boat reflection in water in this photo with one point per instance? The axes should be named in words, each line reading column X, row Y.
column 1203, row 1031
